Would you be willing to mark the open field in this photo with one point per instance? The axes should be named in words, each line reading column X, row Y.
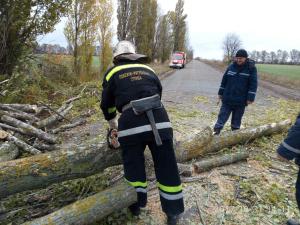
column 288, row 71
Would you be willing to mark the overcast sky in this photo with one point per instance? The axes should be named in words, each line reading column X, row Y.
column 260, row 24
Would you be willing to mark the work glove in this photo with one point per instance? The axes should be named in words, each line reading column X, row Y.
column 113, row 123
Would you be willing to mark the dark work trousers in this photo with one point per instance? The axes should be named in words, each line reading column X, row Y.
column 168, row 180
column 236, row 112
column 298, row 189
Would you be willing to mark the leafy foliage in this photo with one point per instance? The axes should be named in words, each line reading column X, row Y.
column 21, row 21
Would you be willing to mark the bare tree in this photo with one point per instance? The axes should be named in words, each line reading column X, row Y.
column 293, row 56
column 264, row 55
column 231, row 44
column 273, row 57
column 124, row 12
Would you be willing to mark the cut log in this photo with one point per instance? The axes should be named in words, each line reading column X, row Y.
column 81, row 161
column 22, row 145
column 7, row 127
column 91, row 209
column 68, row 126
column 208, row 164
column 60, row 114
column 22, row 107
column 19, row 115
column 185, row 170
column 30, row 130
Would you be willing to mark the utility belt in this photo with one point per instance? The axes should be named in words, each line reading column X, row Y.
column 146, row 105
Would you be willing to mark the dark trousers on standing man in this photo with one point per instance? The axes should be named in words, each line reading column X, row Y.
column 236, row 112
column 168, row 180
column 298, row 190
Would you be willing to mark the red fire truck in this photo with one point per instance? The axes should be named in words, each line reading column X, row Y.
column 178, row 60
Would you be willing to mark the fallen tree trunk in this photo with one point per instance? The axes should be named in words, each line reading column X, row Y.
column 94, row 205
column 28, row 129
column 88, row 210
column 44, row 169
column 193, row 148
column 81, row 161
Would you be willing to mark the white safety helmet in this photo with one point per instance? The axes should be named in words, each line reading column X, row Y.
column 124, row 47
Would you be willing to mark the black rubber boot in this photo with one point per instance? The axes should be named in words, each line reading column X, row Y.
column 135, row 209
column 217, row 131
column 172, row 220
column 292, row 222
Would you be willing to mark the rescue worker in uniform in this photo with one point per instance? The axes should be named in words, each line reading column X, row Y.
column 237, row 90
column 289, row 149
column 133, row 89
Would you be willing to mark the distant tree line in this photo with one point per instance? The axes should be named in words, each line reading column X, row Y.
column 89, row 31
column 276, row 57
column 58, row 49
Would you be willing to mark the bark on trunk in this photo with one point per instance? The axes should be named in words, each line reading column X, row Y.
column 91, row 209
column 22, row 107
column 30, row 130
column 81, row 161
column 7, row 127
column 41, row 170
column 19, row 115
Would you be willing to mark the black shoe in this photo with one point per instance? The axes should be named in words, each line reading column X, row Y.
column 217, row 131
column 172, row 220
column 233, row 129
column 135, row 209
column 292, row 222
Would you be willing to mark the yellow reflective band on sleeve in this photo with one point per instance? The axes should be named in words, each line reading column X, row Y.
column 137, row 183
column 170, row 189
column 118, row 68
column 112, row 110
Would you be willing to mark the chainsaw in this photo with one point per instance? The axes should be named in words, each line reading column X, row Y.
column 112, row 139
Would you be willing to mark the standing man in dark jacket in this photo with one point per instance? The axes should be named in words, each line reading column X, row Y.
column 237, row 90
column 289, row 150
column 133, row 89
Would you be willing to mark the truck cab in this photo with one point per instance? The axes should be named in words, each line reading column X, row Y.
column 178, row 60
